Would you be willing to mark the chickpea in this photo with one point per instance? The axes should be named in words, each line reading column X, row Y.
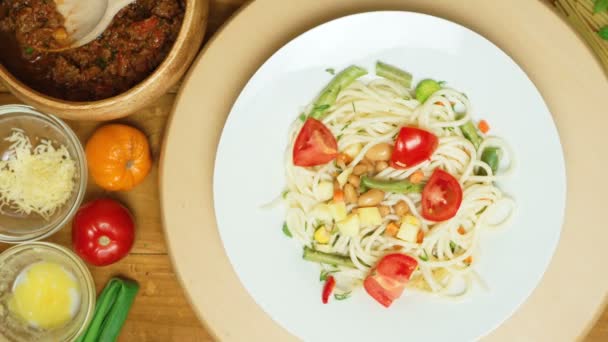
column 354, row 180
column 384, row 210
column 379, row 152
column 401, row 208
column 360, row 169
column 371, row 198
column 350, row 194
column 381, row 166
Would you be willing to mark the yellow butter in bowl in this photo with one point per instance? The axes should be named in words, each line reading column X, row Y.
column 45, row 295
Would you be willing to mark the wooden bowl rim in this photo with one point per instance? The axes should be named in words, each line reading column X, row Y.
column 175, row 55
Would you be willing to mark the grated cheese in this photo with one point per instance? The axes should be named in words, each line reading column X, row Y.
column 35, row 179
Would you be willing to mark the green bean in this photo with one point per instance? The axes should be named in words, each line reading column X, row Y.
column 425, row 89
column 330, row 93
column 327, row 258
column 397, row 186
column 491, row 157
column 394, row 74
column 470, row 132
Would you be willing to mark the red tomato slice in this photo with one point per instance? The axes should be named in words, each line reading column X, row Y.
column 412, row 147
column 441, row 197
column 397, row 266
column 315, row 145
column 379, row 293
column 387, row 281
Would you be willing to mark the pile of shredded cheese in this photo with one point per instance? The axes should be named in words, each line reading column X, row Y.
column 35, row 179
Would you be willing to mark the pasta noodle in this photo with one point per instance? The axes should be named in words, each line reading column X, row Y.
column 369, row 113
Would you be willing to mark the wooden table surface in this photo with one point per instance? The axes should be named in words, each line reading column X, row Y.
column 161, row 311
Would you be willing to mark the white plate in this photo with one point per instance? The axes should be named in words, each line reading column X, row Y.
column 249, row 172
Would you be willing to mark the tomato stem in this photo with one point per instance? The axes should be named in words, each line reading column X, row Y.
column 104, row 241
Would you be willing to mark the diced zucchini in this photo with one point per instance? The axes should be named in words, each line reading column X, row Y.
column 322, row 212
column 369, row 216
column 338, row 211
column 409, row 229
column 349, row 226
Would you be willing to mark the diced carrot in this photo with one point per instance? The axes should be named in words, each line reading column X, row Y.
column 344, row 158
column 483, row 126
column 338, row 196
column 469, row 260
column 417, row 177
column 391, row 229
column 397, row 248
column 420, row 236
column 439, row 103
column 461, row 231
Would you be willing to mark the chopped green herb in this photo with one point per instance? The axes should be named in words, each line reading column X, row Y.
column 331, row 71
column 101, row 62
column 354, row 108
column 441, row 83
column 286, row 230
column 302, row 117
column 603, row 32
column 342, row 296
column 325, row 274
column 28, row 50
column 284, row 194
column 424, row 257
column 321, row 108
column 600, row 6
column 453, row 246
column 339, row 136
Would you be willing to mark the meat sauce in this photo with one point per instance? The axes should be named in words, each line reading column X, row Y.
column 138, row 40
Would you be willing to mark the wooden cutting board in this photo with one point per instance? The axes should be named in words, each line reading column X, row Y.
column 161, row 311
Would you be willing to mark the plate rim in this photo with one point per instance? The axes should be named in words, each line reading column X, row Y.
column 549, row 251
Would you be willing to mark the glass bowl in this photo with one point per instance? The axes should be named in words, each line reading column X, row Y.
column 13, row 261
column 17, row 227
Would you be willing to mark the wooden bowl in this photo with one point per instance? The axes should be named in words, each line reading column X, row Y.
column 170, row 71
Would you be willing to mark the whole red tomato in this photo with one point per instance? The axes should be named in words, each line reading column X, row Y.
column 103, row 232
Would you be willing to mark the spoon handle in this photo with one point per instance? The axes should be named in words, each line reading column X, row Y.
column 114, row 6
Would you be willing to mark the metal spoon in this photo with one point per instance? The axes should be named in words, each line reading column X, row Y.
column 87, row 20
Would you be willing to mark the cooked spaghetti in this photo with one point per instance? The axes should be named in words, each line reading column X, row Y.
column 367, row 119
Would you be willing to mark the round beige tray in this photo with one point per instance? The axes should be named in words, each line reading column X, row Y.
column 570, row 79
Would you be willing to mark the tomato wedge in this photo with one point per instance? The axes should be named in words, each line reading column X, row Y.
column 441, row 196
column 412, row 147
column 387, row 280
column 315, row 145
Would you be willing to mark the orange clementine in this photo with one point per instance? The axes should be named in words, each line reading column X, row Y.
column 118, row 157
